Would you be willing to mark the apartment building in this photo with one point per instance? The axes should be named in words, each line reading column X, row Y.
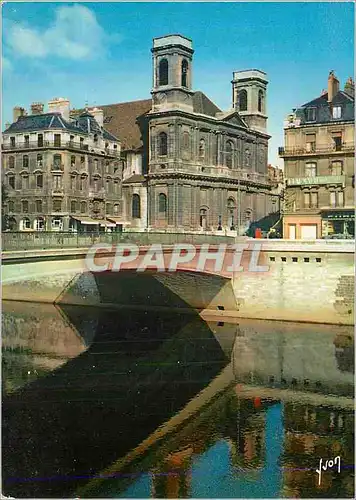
column 319, row 165
column 60, row 174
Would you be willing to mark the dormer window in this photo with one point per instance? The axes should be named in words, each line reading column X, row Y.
column 310, row 114
column 96, row 138
column 336, row 112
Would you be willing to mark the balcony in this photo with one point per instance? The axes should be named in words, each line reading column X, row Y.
column 345, row 147
column 58, row 145
column 317, row 180
column 58, row 167
column 58, row 191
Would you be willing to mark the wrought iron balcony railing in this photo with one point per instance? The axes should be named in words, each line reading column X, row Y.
column 315, row 149
column 61, row 145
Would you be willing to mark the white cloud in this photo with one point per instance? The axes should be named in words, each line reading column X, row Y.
column 74, row 34
column 6, row 65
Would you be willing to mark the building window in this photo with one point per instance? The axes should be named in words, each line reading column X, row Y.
column 307, row 200
column 11, row 162
column 96, row 206
column 82, row 160
column 11, row 206
column 310, row 143
column 184, row 73
column 116, row 187
column 71, row 140
column 162, row 203
column 25, row 162
column 336, row 168
column 310, row 114
column 12, row 224
column 333, row 199
column 162, row 144
column 72, row 161
column 96, row 138
column 203, row 218
column 12, row 142
column 40, row 224
column 163, row 72
column 24, row 206
column 39, row 161
column 243, row 100
column 108, row 208
column 26, row 223
column 107, row 167
column 81, row 143
column 313, row 200
column 57, row 162
column 38, row 206
column 202, row 148
column 337, row 142
column 310, row 170
column 39, row 181
column 57, row 140
column 96, row 165
column 116, row 209
column 27, row 141
column 260, row 101
column 57, row 205
column 83, row 183
column 57, row 182
column 229, row 154
column 25, row 182
column 57, row 223
column 40, row 140
column 136, row 206
column 336, row 112
column 73, row 182
column 83, row 207
column 73, row 206
column 11, row 181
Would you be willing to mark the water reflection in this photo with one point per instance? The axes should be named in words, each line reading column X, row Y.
column 167, row 406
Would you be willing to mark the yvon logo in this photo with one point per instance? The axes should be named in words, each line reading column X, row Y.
column 205, row 258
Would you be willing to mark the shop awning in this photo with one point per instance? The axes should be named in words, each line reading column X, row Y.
column 119, row 221
column 338, row 215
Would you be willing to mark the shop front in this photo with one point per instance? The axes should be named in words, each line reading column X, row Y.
column 338, row 223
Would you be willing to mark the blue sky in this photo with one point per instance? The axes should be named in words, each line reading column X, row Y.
column 100, row 52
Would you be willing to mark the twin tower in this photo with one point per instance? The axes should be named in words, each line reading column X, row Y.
column 172, row 82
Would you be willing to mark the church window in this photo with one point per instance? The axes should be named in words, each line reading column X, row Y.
column 162, row 203
column 136, row 206
column 184, row 73
column 162, row 144
column 229, row 154
column 243, row 100
column 260, row 101
column 202, row 148
column 163, row 72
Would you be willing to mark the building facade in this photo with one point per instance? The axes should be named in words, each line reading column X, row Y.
column 319, row 166
column 187, row 164
column 60, row 174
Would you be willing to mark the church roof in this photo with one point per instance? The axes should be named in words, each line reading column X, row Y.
column 203, row 105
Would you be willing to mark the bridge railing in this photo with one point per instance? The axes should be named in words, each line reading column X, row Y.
column 12, row 241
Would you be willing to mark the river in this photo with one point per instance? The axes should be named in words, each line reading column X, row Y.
column 101, row 403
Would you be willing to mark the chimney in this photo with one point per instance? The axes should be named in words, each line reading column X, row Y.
column 37, row 108
column 350, row 87
column 333, row 86
column 98, row 115
column 60, row 105
column 17, row 112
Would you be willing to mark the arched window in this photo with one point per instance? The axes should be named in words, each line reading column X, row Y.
column 162, row 203
column 25, row 161
column 83, row 207
column 39, row 181
column 202, row 148
column 203, row 218
column 116, row 208
column 136, row 206
column 11, row 161
column 243, row 100
column 162, row 144
column 260, row 101
column 184, row 73
column 12, row 224
column 231, row 208
column 229, row 154
column 25, row 223
column 163, row 72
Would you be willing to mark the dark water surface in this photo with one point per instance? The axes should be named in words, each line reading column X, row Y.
column 137, row 404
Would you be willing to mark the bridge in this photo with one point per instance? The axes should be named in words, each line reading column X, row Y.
column 257, row 279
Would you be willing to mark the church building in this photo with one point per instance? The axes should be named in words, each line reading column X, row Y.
column 189, row 165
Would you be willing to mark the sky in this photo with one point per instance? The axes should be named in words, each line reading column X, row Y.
column 99, row 53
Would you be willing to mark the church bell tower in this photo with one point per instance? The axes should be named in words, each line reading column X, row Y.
column 172, row 73
column 249, row 90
